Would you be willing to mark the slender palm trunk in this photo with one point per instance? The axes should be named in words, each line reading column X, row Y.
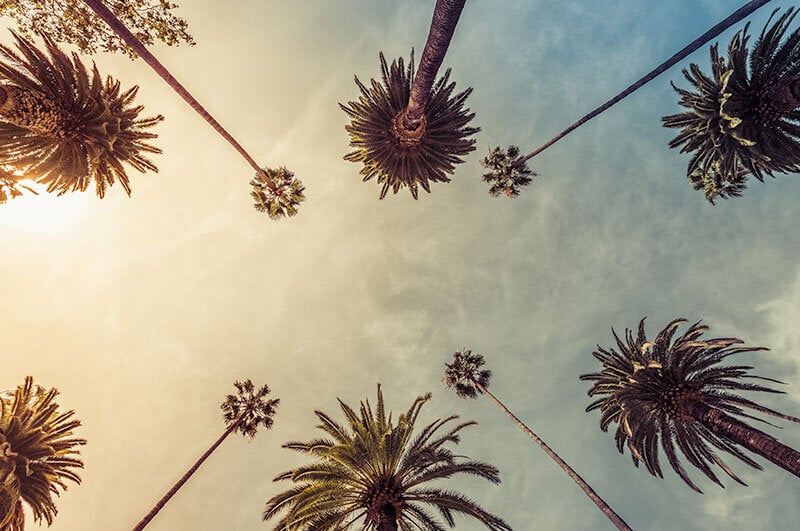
column 754, row 440
column 130, row 39
column 171, row 492
column 601, row 504
column 735, row 17
column 443, row 25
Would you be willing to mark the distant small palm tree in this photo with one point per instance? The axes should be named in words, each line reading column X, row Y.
column 676, row 395
column 406, row 131
column 280, row 197
column 467, row 378
column 507, row 175
column 374, row 474
column 743, row 119
column 283, row 181
column 61, row 125
column 497, row 161
column 244, row 412
column 37, row 454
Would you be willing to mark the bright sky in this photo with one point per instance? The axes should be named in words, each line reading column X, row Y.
column 143, row 310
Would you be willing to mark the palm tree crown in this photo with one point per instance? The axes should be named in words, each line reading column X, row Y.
column 508, row 173
column 465, row 375
column 64, row 126
column 400, row 160
column 674, row 393
column 249, row 409
column 37, row 454
column 743, row 119
column 277, row 192
column 374, row 471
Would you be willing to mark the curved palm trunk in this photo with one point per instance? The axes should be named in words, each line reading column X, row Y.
column 443, row 25
column 740, row 433
column 735, row 17
column 601, row 504
column 130, row 39
column 171, row 492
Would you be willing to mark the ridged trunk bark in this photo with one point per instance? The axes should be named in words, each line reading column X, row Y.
column 443, row 25
column 735, row 17
column 387, row 518
column 171, row 492
column 758, row 442
column 589, row 491
column 130, row 39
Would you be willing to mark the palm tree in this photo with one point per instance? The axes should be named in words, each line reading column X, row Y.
column 243, row 412
column 283, row 197
column 406, row 131
column 675, row 393
column 497, row 161
column 373, row 471
column 466, row 377
column 745, row 118
column 37, row 454
column 282, row 180
column 64, row 126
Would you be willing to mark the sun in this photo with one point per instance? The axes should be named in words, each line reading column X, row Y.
column 44, row 212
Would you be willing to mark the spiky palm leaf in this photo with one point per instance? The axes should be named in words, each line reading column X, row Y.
column 62, row 125
column 37, row 450
column 648, row 388
column 288, row 194
column 10, row 187
column 744, row 118
column 251, row 405
column 373, row 470
column 508, row 173
column 396, row 159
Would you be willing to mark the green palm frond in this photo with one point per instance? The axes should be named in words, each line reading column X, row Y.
column 743, row 119
column 287, row 195
column 398, row 159
column 37, row 450
column 250, row 408
column 508, row 174
column 646, row 386
column 63, row 126
column 377, row 466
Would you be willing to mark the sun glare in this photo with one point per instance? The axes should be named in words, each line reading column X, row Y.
column 42, row 212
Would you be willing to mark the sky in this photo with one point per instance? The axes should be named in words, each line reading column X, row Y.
column 142, row 311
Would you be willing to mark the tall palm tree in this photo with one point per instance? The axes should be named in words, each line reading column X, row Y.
column 63, row 126
column 507, row 167
column 406, row 131
column 283, row 196
column 37, row 454
column 745, row 118
column 243, row 412
column 374, row 474
column 675, row 393
column 466, row 377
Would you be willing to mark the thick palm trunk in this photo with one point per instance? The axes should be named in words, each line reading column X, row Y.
column 443, row 25
column 735, row 17
column 601, row 504
column 740, row 433
column 171, row 492
column 387, row 518
column 130, row 39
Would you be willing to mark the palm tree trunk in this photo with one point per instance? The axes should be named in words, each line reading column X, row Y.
column 601, row 504
column 130, row 39
column 443, row 25
column 387, row 518
column 740, row 433
column 735, row 17
column 171, row 492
